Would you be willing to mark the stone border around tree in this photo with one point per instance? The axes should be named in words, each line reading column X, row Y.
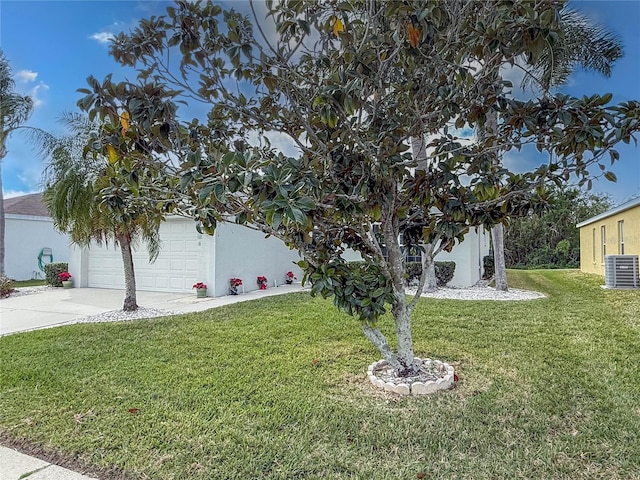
column 414, row 388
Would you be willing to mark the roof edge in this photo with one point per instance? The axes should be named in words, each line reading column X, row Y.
column 634, row 202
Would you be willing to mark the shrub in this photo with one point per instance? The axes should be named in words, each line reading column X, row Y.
column 488, row 264
column 444, row 271
column 6, row 286
column 412, row 271
column 51, row 272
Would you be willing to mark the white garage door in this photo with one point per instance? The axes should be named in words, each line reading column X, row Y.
column 175, row 270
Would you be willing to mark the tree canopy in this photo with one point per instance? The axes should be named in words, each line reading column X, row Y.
column 550, row 239
column 15, row 109
column 349, row 83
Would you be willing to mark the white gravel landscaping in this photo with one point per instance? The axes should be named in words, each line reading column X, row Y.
column 22, row 291
column 121, row 315
column 480, row 293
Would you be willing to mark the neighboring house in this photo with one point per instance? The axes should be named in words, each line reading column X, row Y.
column 614, row 232
column 187, row 257
column 29, row 232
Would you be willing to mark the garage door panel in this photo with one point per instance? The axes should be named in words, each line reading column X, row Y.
column 103, row 261
column 175, row 227
column 191, row 245
column 161, row 264
column 192, row 265
column 177, row 264
column 109, row 281
column 177, row 246
column 143, row 281
column 177, row 283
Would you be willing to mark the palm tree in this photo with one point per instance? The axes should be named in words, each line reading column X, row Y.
column 81, row 192
column 14, row 111
column 582, row 44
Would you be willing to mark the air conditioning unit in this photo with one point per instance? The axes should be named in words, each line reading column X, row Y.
column 621, row 271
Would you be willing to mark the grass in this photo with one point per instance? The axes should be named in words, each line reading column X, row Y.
column 29, row 283
column 276, row 389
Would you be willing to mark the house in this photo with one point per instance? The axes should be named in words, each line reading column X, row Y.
column 614, row 232
column 468, row 256
column 234, row 251
column 31, row 239
column 187, row 257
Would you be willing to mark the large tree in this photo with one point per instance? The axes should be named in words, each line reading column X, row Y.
column 349, row 83
column 14, row 111
column 581, row 44
column 550, row 238
column 89, row 198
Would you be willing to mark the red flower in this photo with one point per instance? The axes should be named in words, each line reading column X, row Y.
column 64, row 276
column 199, row 285
column 235, row 282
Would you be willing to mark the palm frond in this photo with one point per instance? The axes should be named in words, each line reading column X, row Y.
column 582, row 44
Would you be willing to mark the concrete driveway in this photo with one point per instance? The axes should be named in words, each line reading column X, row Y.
column 57, row 306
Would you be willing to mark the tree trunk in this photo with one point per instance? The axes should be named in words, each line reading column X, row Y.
column 429, row 264
column 399, row 310
column 500, row 275
column 376, row 337
column 130, row 302
column 419, row 149
column 497, row 232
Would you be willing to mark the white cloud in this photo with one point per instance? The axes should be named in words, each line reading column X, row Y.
column 26, row 76
column 103, row 37
column 31, row 175
column 515, row 74
column 35, row 93
column 280, row 142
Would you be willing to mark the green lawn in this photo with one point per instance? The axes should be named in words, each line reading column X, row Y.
column 29, row 283
column 276, row 388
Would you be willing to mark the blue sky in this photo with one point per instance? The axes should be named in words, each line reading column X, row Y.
column 53, row 46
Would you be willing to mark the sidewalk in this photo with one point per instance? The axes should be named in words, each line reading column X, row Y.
column 57, row 307
column 18, row 466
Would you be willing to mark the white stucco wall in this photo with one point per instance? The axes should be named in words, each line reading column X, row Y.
column 244, row 253
column 468, row 257
column 25, row 237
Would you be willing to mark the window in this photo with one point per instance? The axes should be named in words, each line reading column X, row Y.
column 413, row 255
column 593, row 244
column 603, row 235
column 621, row 237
